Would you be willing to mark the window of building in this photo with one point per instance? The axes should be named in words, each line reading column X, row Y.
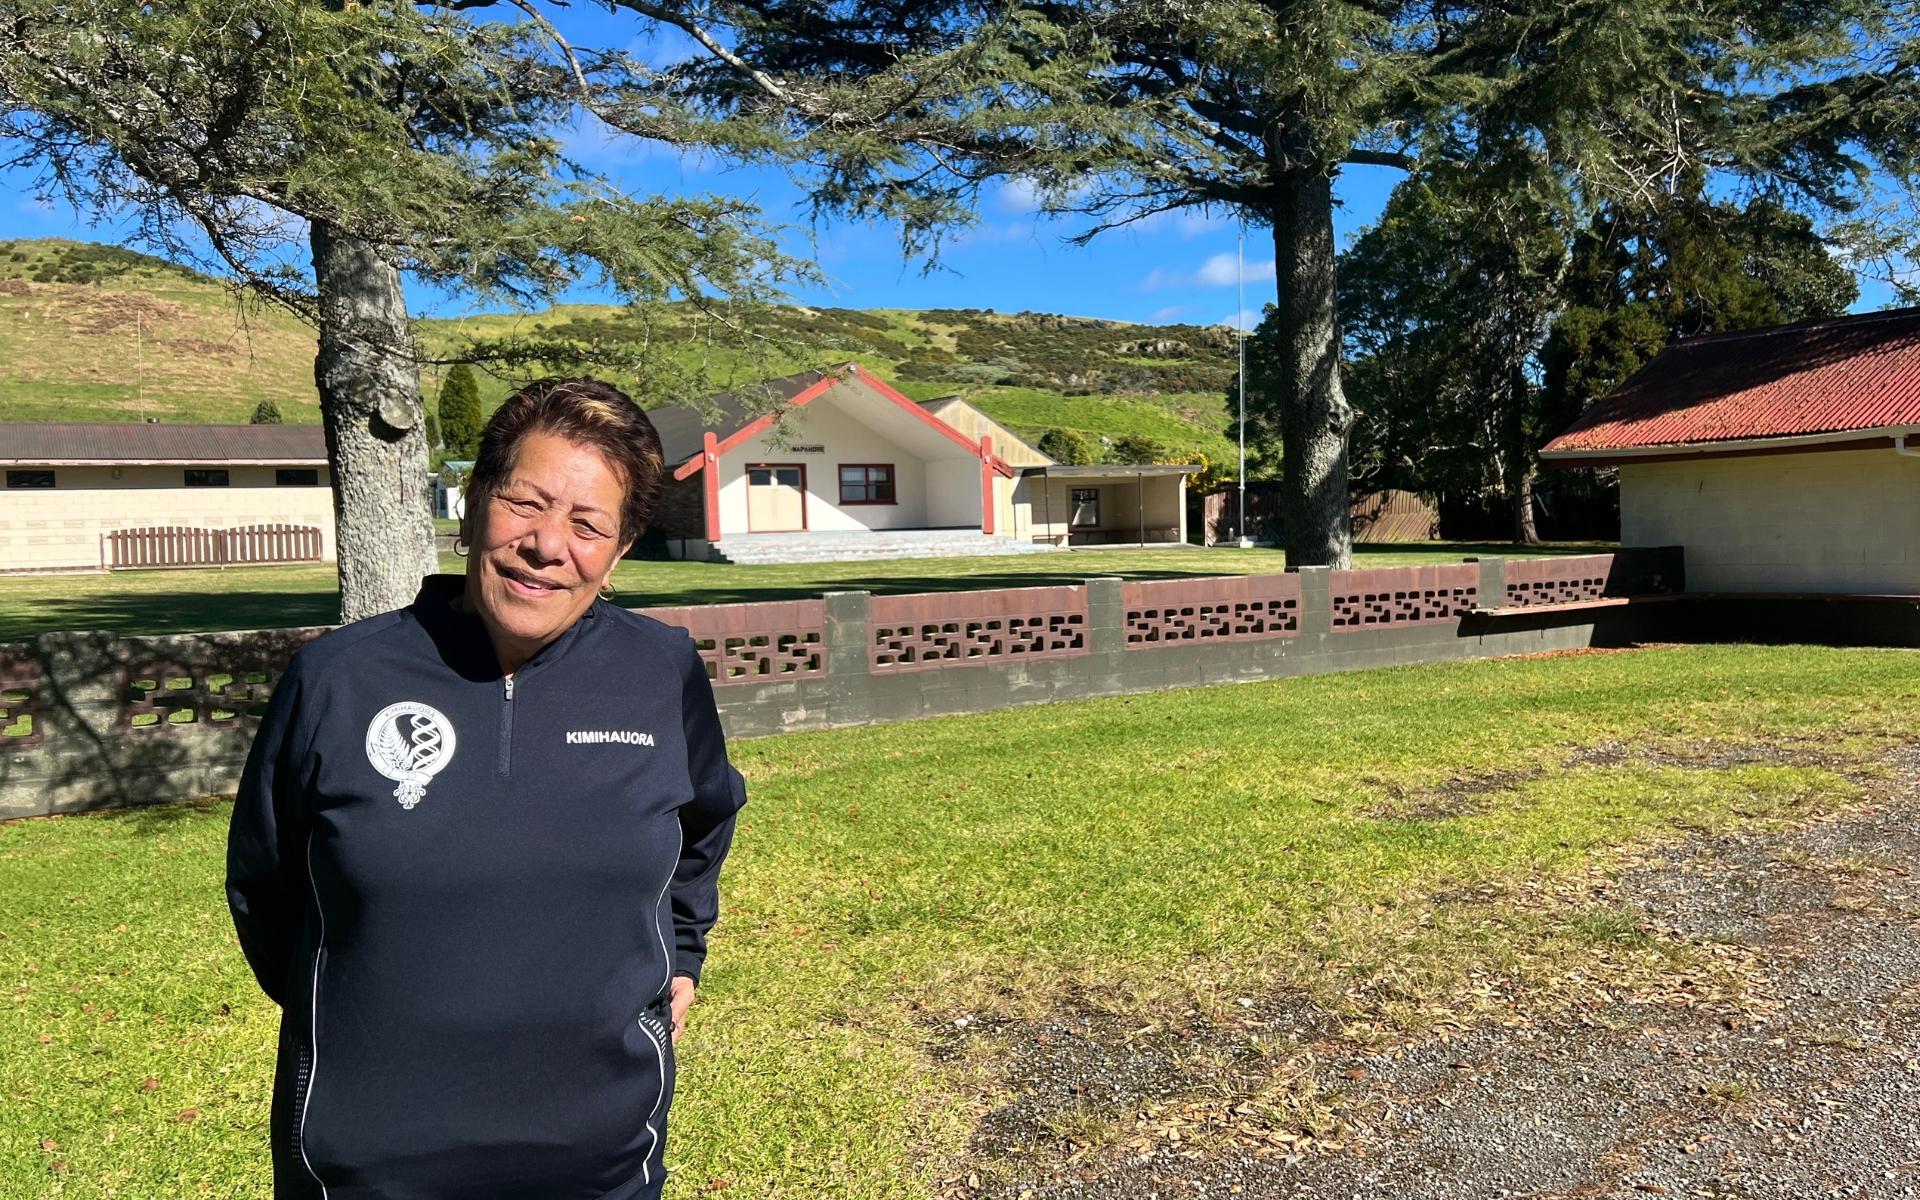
column 29, row 479
column 867, row 483
column 297, row 477
column 1086, row 506
column 206, row 477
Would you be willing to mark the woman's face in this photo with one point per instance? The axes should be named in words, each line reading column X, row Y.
column 543, row 544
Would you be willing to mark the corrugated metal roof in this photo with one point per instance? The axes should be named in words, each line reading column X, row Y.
column 1112, row 470
column 681, row 426
column 53, row 443
column 1813, row 377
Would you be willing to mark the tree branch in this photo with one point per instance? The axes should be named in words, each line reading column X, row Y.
column 1378, row 158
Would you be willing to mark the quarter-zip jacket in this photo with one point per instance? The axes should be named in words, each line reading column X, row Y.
column 469, row 895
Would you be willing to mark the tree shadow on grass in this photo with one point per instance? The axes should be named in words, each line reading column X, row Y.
column 136, row 613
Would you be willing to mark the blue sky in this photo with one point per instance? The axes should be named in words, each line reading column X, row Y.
column 1172, row 268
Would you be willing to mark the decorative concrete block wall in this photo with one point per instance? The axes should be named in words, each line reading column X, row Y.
column 90, row 720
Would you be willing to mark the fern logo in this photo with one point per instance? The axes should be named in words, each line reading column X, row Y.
column 410, row 743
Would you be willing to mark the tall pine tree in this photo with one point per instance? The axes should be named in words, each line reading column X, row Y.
column 460, row 421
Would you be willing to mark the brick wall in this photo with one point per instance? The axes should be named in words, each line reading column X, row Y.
column 680, row 511
column 90, row 719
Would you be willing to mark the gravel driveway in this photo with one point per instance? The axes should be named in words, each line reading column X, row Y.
column 1803, row 1082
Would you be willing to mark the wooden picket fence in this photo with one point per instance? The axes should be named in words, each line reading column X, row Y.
column 191, row 546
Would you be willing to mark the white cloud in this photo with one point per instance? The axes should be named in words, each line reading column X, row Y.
column 1246, row 319
column 987, row 233
column 1171, row 312
column 1221, row 270
column 1019, row 196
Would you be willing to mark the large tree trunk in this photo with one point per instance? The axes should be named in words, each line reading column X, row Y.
column 376, row 441
column 1521, row 498
column 1314, row 415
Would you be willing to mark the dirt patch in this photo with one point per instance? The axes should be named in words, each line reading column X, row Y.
column 1802, row 1081
column 1707, row 755
column 1465, row 795
column 1460, row 796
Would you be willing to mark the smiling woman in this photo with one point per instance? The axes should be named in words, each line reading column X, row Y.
column 543, row 886
column 566, row 476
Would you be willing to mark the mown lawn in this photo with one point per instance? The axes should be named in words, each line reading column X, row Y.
column 1150, row 853
column 136, row 602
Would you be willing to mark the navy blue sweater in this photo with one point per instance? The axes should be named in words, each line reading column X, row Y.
column 469, row 896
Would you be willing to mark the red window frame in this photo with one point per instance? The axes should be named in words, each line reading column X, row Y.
column 869, row 485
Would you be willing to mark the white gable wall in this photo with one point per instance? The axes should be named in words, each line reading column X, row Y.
column 846, row 440
column 1839, row 521
column 953, row 492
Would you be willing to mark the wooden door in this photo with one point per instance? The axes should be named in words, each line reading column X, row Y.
column 776, row 498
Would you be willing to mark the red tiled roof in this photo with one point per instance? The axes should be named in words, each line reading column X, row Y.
column 1833, row 375
column 53, row 443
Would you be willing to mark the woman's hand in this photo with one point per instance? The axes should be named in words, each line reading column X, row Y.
column 680, row 999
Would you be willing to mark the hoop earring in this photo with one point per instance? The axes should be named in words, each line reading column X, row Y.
column 606, row 591
column 460, row 548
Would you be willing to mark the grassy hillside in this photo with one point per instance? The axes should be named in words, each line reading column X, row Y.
column 1029, row 371
column 98, row 333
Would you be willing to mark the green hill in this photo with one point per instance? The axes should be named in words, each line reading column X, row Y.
column 98, row 333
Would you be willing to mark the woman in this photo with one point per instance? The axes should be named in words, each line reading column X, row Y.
column 475, row 851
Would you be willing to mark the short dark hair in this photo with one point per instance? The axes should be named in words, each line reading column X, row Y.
column 588, row 411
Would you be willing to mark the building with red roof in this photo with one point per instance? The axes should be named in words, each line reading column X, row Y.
column 1784, row 459
column 838, row 464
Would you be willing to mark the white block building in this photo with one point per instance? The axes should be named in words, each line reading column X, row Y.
column 1783, row 460
column 69, row 486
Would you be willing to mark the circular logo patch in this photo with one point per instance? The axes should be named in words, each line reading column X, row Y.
column 410, row 743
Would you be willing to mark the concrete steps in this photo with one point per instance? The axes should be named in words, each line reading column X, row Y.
column 878, row 544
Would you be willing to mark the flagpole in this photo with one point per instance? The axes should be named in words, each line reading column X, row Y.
column 1240, row 322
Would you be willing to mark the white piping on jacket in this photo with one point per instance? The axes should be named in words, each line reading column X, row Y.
column 313, row 1021
column 659, row 1098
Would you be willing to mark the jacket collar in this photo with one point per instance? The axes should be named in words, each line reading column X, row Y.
column 462, row 637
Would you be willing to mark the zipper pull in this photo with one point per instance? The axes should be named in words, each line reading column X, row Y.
column 509, row 682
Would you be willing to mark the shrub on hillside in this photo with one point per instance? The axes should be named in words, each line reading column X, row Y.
column 1136, row 449
column 1066, row 447
column 265, row 413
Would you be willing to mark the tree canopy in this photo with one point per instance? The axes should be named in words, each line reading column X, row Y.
column 1482, row 320
column 1122, row 109
column 369, row 139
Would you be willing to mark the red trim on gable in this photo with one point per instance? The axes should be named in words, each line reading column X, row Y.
column 758, row 425
column 986, row 484
column 740, row 436
column 981, row 449
column 711, row 485
column 926, row 418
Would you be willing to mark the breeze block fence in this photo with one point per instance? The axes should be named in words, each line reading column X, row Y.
column 90, row 720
